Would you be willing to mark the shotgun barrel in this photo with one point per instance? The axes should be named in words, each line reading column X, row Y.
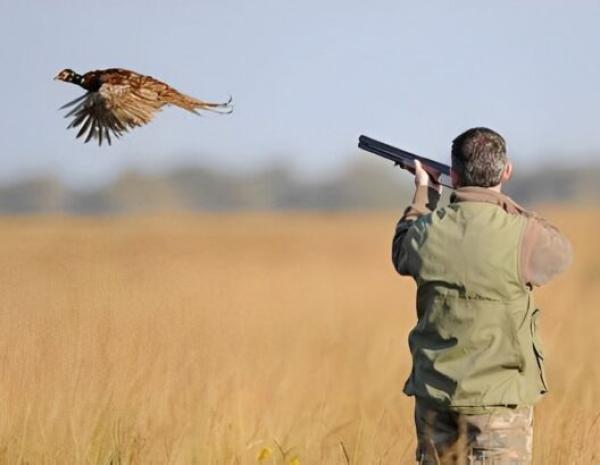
column 406, row 159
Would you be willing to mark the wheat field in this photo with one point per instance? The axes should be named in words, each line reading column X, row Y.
column 245, row 339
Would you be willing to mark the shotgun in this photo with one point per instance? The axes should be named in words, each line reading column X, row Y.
column 406, row 160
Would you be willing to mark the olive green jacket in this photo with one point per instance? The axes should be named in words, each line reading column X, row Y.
column 475, row 346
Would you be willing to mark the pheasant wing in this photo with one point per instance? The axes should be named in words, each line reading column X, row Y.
column 111, row 111
column 95, row 119
column 131, row 104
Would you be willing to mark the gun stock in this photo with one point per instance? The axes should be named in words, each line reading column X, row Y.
column 406, row 160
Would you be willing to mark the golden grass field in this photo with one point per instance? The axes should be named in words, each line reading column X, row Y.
column 237, row 339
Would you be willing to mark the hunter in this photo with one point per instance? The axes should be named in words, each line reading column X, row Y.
column 477, row 357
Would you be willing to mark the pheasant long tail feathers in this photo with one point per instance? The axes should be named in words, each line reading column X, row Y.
column 195, row 105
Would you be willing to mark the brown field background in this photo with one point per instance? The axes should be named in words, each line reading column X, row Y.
column 232, row 339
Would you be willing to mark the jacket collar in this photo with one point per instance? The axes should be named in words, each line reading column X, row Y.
column 483, row 194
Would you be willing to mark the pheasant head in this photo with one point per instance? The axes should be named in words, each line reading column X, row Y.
column 68, row 75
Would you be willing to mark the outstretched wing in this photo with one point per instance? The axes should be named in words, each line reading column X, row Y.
column 112, row 111
column 95, row 118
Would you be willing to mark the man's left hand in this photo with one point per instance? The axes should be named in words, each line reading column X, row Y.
column 424, row 178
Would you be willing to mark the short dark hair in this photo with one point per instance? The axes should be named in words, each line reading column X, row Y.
column 479, row 157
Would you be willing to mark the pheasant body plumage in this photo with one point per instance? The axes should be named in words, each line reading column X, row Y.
column 118, row 100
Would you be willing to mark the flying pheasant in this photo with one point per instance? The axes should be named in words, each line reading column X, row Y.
column 118, row 100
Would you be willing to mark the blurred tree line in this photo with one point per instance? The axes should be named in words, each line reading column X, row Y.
column 364, row 184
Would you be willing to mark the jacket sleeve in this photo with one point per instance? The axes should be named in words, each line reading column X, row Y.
column 424, row 202
column 545, row 252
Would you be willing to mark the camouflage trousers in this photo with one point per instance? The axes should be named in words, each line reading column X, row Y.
column 503, row 437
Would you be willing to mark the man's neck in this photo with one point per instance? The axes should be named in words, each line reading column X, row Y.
column 497, row 189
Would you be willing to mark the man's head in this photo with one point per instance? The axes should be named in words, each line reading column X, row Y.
column 479, row 159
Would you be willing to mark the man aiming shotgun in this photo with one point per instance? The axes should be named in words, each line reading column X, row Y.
column 477, row 358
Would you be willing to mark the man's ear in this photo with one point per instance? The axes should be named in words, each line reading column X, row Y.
column 455, row 178
column 507, row 174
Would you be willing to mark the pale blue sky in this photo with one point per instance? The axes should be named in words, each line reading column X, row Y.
column 307, row 78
